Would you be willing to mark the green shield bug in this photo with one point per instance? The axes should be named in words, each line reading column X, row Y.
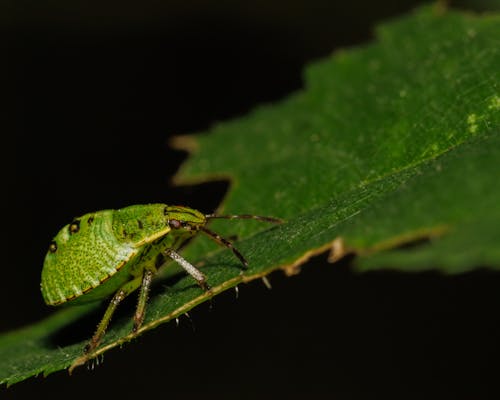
column 115, row 252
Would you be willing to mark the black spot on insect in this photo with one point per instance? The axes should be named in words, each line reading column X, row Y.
column 90, row 220
column 165, row 211
column 53, row 246
column 139, row 224
column 74, row 226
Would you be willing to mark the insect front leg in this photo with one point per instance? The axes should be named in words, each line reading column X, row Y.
column 189, row 268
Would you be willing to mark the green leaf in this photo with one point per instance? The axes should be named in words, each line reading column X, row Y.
column 385, row 145
column 391, row 152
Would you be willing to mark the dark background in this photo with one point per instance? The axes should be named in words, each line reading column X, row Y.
column 97, row 90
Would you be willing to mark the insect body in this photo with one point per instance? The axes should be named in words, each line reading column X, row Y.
column 115, row 252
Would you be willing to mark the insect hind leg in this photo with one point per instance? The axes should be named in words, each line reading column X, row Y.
column 118, row 297
column 123, row 292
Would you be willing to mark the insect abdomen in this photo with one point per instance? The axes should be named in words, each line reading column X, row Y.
column 84, row 254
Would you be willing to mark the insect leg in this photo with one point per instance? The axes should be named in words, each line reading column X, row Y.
column 147, row 278
column 189, row 268
column 224, row 242
column 123, row 292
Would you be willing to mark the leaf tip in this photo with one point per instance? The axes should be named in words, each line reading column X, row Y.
column 184, row 142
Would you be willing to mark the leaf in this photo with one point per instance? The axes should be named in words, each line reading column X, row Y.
column 359, row 140
column 391, row 151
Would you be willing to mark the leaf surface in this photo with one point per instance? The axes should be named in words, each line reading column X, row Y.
column 391, row 152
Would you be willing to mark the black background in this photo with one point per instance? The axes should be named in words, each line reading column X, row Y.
column 97, row 92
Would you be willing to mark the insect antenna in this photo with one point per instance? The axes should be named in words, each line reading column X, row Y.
column 224, row 242
column 245, row 216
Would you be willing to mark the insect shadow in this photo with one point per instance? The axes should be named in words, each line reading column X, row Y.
column 415, row 243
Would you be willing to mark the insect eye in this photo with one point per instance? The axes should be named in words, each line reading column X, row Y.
column 74, row 227
column 53, row 247
column 174, row 223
